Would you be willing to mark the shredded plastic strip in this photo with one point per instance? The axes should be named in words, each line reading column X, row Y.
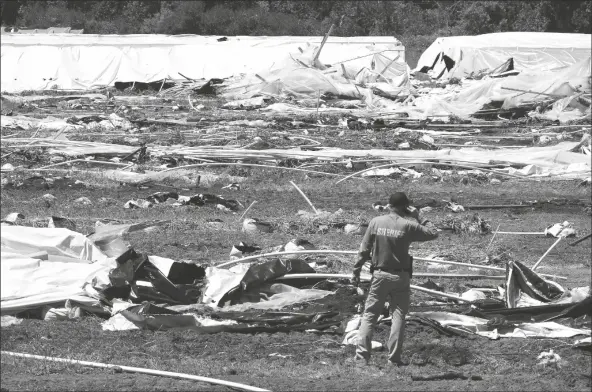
column 130, row 369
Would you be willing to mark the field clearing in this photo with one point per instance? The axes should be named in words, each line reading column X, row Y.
column 307, row 360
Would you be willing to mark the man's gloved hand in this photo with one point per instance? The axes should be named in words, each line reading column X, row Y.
column 355, row 279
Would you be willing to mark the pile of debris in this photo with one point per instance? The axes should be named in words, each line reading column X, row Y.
column 101, row 274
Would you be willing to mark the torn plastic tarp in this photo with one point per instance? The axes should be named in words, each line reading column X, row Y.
column 152, row 317
column 150, row 283
column 108, row 238
column 526, row 89
column 225, row 286
column 300, row 76
column 56, row 242
column 31, row 282
column 479, row 326
column 149, row 316
column 530, row 51
column 275, row 296
column 521, row 279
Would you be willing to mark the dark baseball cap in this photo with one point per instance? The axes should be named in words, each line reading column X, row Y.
column 399, row 199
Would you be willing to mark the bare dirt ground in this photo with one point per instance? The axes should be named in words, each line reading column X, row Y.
column 307, row 361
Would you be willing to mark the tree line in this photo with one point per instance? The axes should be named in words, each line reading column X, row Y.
column 415, row 22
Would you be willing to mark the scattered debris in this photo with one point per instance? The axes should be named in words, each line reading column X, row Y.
column 549, row 359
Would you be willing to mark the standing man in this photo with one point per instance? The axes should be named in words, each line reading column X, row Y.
column 388, row 238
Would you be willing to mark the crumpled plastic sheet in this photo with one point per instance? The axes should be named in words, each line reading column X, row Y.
column 7, row 321
column 228, row 285
column 479, row 326
column 29, row 282
column 350, row 336
column 281, row 296
column 521, row 279
column 56, row 241
column 147, row 316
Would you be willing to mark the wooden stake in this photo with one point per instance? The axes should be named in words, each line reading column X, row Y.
column 344, row 71
column 247, row 210
column 318, row 104
column 580, row 240
column 492, row 238
column 261, row 78
column 318, row 52
column 305, row 198
column 387, row 67
column 546, row 253
column 190, row 103
column 160, row 89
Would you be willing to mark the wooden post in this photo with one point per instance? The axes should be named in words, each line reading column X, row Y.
column 305, row 198
column 492, row 238
column 546, row 253
column 247, row 210
column 318, row 52
column 387, row 66
column 343, row 70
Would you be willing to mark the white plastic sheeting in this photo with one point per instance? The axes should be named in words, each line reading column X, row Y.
column 281, row 295
column 531, row 87
column 530, row 51
column 29, row 282
column 565, row 82
column 299, row 75
column 40, row 62
column 479, row 326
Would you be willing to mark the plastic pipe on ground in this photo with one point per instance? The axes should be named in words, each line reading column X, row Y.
column 415, row 274
column 546, row 253
column 353, row 252
column 427, row 162
column 130, row 369
column 305, row 198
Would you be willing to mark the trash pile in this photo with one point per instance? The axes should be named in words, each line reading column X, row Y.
column 55, row 273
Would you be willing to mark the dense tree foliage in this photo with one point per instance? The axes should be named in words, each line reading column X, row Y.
column 415, row 22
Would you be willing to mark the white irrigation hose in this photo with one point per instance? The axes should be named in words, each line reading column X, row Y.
column 415, row 274
column 353, row 252
column 130, row 369
column 427, row 162
column 249, row 258
column 247, row 210
column 305, row 198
